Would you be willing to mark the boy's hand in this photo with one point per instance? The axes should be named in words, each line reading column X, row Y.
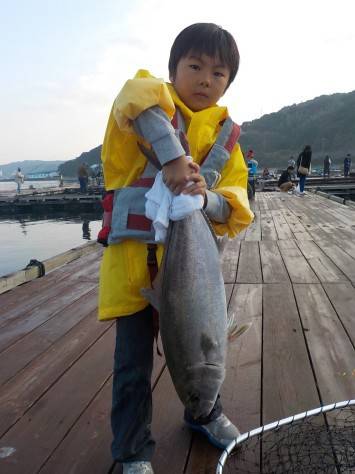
column 199, row 185
column 176, row 174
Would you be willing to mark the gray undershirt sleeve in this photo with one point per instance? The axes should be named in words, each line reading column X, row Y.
column 217, row 208
column 154, row 126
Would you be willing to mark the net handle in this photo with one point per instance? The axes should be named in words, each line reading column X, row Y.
column 275, row 424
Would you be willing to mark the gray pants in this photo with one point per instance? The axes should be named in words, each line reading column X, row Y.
column 131, row 414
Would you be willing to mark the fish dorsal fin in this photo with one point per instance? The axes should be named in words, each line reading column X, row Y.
column 152, row 297
column 221, row 243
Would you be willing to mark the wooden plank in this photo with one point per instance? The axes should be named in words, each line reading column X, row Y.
column 20, row 326
column 282, row 228
column 323, row 267
column 330, row 348
column 273, row 267
column 86, row 448
column 268, row 231
column 298, row 229
column 36, row 342
column 241, row 391
column 228, row 288
column 288, row 382
column 342, row 297
column 172, row 436
column 293, row 222
column 249, row 268
column 29, row 292
column 344, row 239
column 230, row 260
column 23, row 390
column 254, row 230
column 341, row 259
column 36, row 300
column 297, row 266
column 48, row 421
column 8, row 282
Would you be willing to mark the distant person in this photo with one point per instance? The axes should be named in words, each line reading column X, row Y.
column 86, row 230
column 252, row 163
column 285, row 181
column 291, row 162
column 19, row 179
column 347, row 165
column 83, row 177
column 61, row 182
column 252, row 170
column 303, row 167
column 266, row 173
column 326, row 166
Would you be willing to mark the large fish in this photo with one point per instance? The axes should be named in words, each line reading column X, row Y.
column 190, row 297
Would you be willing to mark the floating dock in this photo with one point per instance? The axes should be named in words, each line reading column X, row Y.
column 57, row 199
column 292, row 273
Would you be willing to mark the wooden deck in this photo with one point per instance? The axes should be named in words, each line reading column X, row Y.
column 292, row 273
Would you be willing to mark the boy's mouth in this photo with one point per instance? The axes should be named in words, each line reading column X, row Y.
column 200, row 94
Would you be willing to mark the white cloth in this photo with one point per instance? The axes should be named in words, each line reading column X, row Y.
column 162, row 205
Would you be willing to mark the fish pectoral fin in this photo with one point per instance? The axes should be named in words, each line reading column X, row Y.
column 238, row 330
column 152, row 296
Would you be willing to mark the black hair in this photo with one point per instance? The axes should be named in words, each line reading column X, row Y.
column 209, row 39
column 290, row 168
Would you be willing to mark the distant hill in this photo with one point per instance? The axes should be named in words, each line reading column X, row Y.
column 327, row 123
column 29, row 167
column 92, row 157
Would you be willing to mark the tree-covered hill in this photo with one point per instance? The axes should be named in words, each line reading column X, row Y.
column 92, row 157
column 327, row 123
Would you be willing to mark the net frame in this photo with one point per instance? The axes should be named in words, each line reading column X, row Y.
column 276, row 424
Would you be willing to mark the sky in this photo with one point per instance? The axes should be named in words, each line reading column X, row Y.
column 64, row 61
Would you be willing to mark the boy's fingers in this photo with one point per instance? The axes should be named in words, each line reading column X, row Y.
column 196, row 177
column 194, row 166
column 193, row 189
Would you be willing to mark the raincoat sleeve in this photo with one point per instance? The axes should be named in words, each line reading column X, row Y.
column 139, row 94
column 233, row 187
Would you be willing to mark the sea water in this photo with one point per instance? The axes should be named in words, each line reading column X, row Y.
column 39, row 237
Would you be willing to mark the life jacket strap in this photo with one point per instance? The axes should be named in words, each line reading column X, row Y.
column 138, row 222
column 143, row 183
column 229, row 141
column 107, row 204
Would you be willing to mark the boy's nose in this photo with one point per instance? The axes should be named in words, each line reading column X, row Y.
column 205, row 81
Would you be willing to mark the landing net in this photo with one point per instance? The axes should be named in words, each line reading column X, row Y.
column 317, row 441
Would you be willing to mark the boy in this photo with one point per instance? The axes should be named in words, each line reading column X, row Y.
column 203, row 62
column 285, row 181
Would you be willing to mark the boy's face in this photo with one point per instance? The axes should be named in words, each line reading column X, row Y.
column 200, row 81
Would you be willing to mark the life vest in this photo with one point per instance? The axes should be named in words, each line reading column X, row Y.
column 128, row 206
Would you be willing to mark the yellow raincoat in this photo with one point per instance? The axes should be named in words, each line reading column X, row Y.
column 124, row 266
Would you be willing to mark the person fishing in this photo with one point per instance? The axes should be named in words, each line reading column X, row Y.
column 19, row 179
column 204, row 61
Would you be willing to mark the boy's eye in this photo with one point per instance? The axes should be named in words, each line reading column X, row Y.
column 195, row 67
column 219, row 74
